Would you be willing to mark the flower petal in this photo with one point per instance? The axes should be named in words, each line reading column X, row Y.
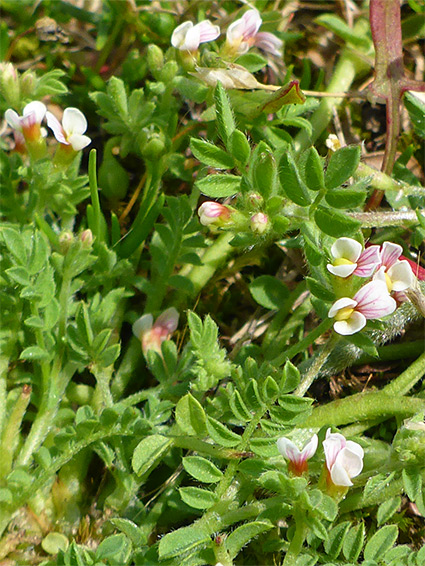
column 78, row 141
column 346, row 248
column 168, row 320
column 269, row 42
column 192, row 39
column 13, row 119
column 354, row 324
column 141, row 325
column 56, row 127
column 179, row 34
column 341, row 304
column 252, row 22
column 207, row 31
column 235, row 32
column 348, row 464
column 74, row 121
column 374, row 301
column 310, row 448
column 368, row 261
column 37, row 108
column 390, row 253
column 401, row 275
column 288, row 449
column 332, row 445
column 343, row 271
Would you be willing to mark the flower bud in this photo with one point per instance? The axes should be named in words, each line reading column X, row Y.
column 168, row 71
column 28, row 83
column 86, row 238
column 65, row 241
column 259, row 223
column 154, row 147
column 155, row 58
column 152, row 334
column 211, row 212
column 9, row 84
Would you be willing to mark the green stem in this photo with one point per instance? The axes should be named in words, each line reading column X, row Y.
column 12, row 430
column 316, row 365
column 197, row 445
column 393, row 352
column 407, row 379
column 126, row 369
column 381, row 219
column 296, row 544
column 103, row 378
column 383, row 182
column 94, row 194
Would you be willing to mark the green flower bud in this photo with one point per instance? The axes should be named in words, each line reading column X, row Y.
column 155, row 57
column 28, row 83
column 113, row 178
column 152, row 144
column 9, row 85
column 168, row 72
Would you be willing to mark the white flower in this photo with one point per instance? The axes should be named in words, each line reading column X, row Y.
column 187, row 37
column 211, row 212
column 332, row 142
column 151, row 334
column 349, row 258
column 397, row 275
column 29, row 123
column 243, row 34
column 297, row 458
column 370, row 302
column 259, row 222
column 344, row 458
column 71, row 131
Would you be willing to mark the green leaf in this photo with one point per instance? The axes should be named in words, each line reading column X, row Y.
column 19, row 274
column 211, row 155
column 264, row 172
column 190, row 416
column 387, row 509
column 238, row 407
column 412, row 483
column 295, row 404
column 353, row 542
column 130, row 529
column 198, row 498
column 290, row 378
column 15, row 244
column 288, row 94
column 365, row 343
column 182, row 541
column 202, row 469
column 149, row 452
column 269, row 292
column 191, row 89
column 342, row 165
column 336, row 223
column 239, row 147
column 244, row 534
column 109, row 355
column 314, row 176
column 291, row 181
column 318, row 290
column 221, row 434
column 54, row 542
column 112, row 547
column 335, row 540
column 116, row 90
column 381, row 542
column 34, row 353
column 269, row 389
column 252, row 395
column 219, row 186
column 251, row 61
column 346, row 197
column 342, row 30
column 416, row 109
column 224, row 114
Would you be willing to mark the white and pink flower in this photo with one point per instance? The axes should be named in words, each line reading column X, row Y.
column 211, row 212
column 188, row 37
column 152, row 334
column 70, row 132
column 259, row 222
column 297, row 459
column 344, row 459
column 243, row 34
column 397, row 274
column 349, row 258
column 370, row 302
column 29, row 123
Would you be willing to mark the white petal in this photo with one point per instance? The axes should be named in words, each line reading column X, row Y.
column 252, row 22
column 374, row 301
column 168, row 320
column 13, row 119
column 74, row 121
column 356, row 448
column 78, row 141
column 341, row 304
column 346, row 248
column 390, row 253
column 207, row 31
column 310, row 448
column 332, row 445
column 37, row 108
column 179, row 34
column 269, row 42
column 56, row 128
column 401, row 275
column 288, row 449
column 235, row 31
column 192, row 39
column 348, row 464
column 142, row 324
column 343, row 271
column 368, row 261
column 354, row 324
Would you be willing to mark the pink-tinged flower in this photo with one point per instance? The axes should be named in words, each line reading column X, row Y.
column 211, row 212
column 152, row 334
column 29, row 123
column 297, row 459
column 396, row 274
column 71, row 131
column 188, row 37
column 243, row 34
column 344, row 459
column 349, row 258
column 259, row 222
column 370, row 302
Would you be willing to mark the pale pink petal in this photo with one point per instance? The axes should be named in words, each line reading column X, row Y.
column 269, row 42
column 56, row 128
column 348, row 464
column 78, row 141
column 390, row 253
column 288, row 449
column 346, row 248
column 179, row 34
column 310, row 448
column 354, row 324
column 35, row 109
column 13, row 119
column 142, row 324
column 401, row 275
column 207, row 31
column 344, row 270
column 368, row 261
column 332, row 445
column 374, row 301
column 168, row 320
column 355, row 448
column 74, row 121
column 252, row 22
column 235, row 31
column 191, row 42
column 341, row 304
